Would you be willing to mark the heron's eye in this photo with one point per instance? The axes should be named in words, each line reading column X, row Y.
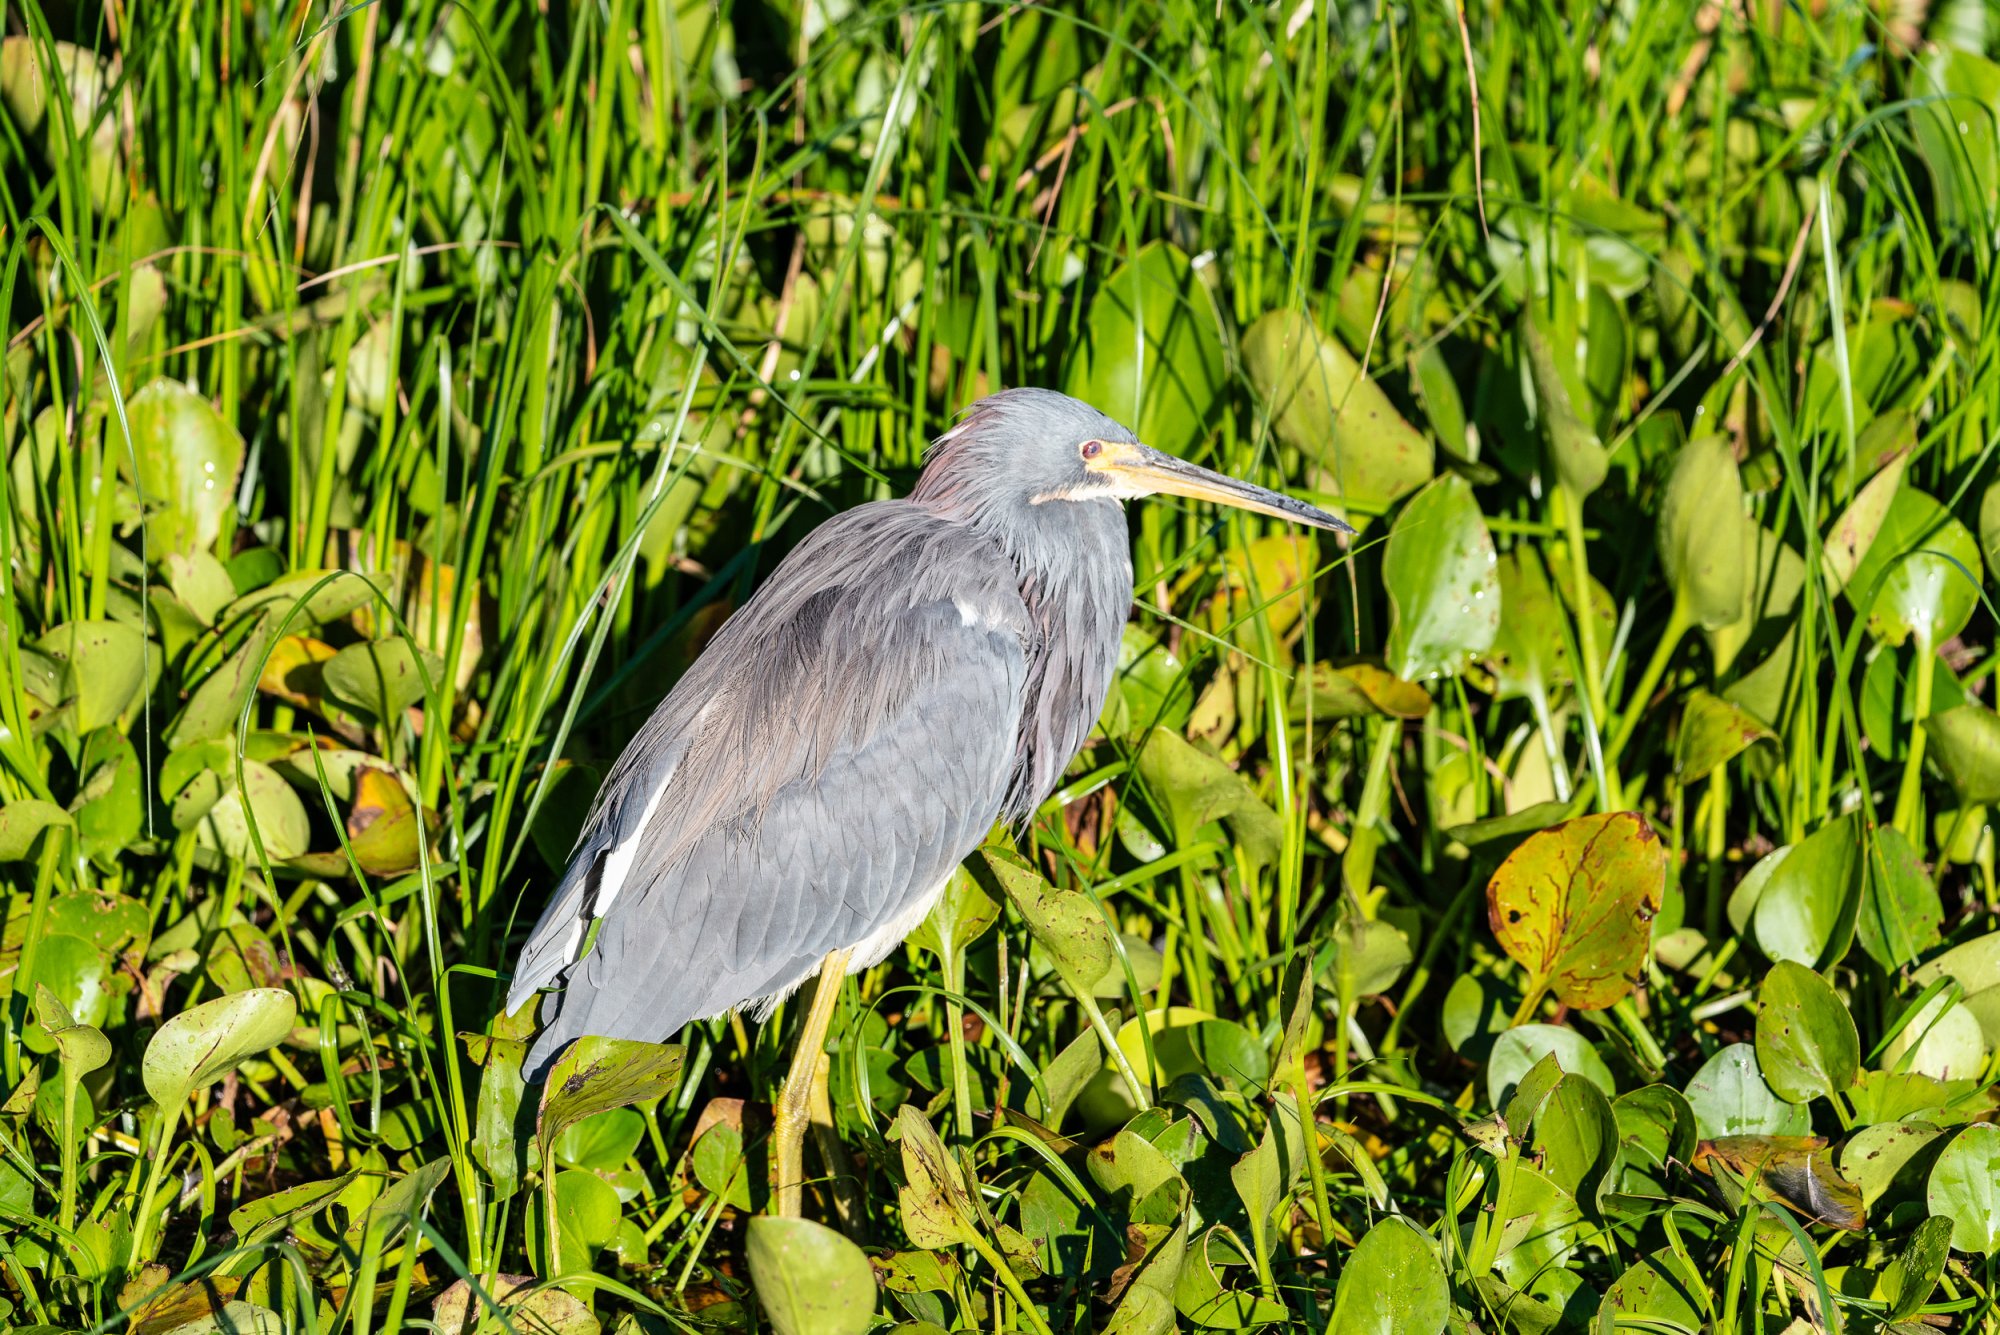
column 1092, row 448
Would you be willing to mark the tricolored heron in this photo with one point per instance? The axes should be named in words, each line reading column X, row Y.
column 914, row 672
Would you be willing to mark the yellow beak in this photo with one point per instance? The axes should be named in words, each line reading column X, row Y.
column 1141, row 470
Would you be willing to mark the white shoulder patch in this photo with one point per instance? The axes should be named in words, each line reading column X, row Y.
column 618, row 862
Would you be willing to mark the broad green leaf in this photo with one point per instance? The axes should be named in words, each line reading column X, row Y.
column 1890, row 1159
column 1364, row 958
column 1777, row 578
column 1900, row 915
column 103, row 668
column 1944, row 1040
column 1659, row 1288
column 1530, row 652
column 1730, row 1098
column 189, row 458
column 1573, row 905
column 77, row 974
column 1807, row 1047
column 601, row 1141
column 267, row 1216
column 1516, row 1052
column 1393, row 1283
column 1577, row 1134
column 1444, row 588
column 809, row 1279
column 1921, row 1265
column 1321, row 405
column 381, row 678
column 267, row 800
column 1575, row 452
column 1147, row 1305
column 1965, row 1188
column 529, row 1305
column 1355, row 690
column 935, row 1208
column 1854, row 532
column 1700, row 534
column 1811, row 894
column 23, row 821
column 587, row 1213
column 196, row 1047
column 1067, row 924
column 110, row 808
column 1544, row 1226
column 1151, row 687
column 1201, row 1296
column 213, row 708
column 594, row 1074
column 1655, row 1129
column 1921, row 575
column 1965, row 744
column 84, row 1047
column 961, row 915
column 1151, row 353
column 1195, row 788
column 1713, row 732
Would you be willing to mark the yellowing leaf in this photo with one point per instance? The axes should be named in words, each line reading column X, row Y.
column 1574, row 904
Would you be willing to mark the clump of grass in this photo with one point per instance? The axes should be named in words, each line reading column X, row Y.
column 395, row 397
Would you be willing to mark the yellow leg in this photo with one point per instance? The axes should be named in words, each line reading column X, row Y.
column 794, row 1111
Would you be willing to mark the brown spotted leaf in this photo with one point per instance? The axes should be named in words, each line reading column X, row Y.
column 1798, row 1170
column 596, row 1074
column 1574, row 904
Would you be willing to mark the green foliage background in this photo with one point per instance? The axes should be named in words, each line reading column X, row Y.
column 395, row 396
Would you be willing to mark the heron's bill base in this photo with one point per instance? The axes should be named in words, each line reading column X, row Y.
column 793, row 1111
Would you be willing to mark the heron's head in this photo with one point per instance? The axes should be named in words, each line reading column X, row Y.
column 1038, row 448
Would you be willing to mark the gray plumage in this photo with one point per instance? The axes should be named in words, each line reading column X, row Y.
column 914, row 672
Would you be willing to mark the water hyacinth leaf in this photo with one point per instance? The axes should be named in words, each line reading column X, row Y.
column 266, row 799
column 1151, row 688
column 1655, row 1128
column 84, row 1047
column 190, row 459
column 1151, row 355
column 1900, row 916
column 1578, row 1137
column 1530, row 652
column 103, row 668
column 1200, row 1295
column 1965, row 1188
column 1574, row 904
column 962, row 914
column 1393, row 1283
column 602, row 1141
column 196, row 1047
column 381, row 677
column 1516, row 1052
column 110, row 808
column 212, row 709
column 528, row 1304
column 1890, row 1160
column 1854, row 532
column 1713, row 732
column 1700, row 535
column 1811, row 894
column 586, row 1214
column 1657, row 1288
column 1776, row 580
column 268, row 1216
column 1798, row 1170
column 1943, row 1040
column 1196, row 788
column 74, row 972
column 1922, row 1265
column 1965, row 744
column 1444, row 589
column 1807, row 1047
column 1552, row 1229
column 1067, row 924
column 1920, row 577
column 1575, row 452
column 1321, row 405
column 935, row 1208
column 809, row 1279
column 22, row 822
column 401, row 1204
column 595, row 1074
column 1364, row 958
column 383, row 827
column 1147, row 1305
column 1355, row 690
column 308, row 597
column 1730, row 1098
